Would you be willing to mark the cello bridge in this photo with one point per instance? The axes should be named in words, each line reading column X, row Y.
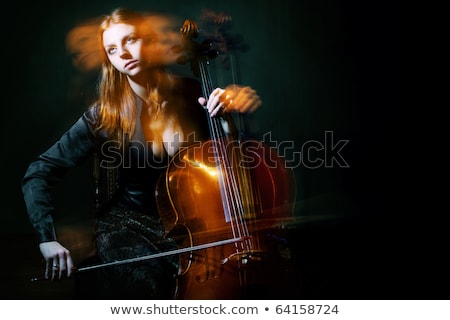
column 243, row 256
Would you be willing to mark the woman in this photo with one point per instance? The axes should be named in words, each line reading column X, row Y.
column 143, row 116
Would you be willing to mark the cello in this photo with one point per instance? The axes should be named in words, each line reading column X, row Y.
column 225, row 201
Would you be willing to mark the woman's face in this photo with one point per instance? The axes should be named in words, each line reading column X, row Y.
column 123, row 46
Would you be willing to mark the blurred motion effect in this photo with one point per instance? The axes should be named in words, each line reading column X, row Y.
column 164, row 42
column 83, row 47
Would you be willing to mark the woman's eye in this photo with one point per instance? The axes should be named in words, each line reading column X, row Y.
column 112, row 50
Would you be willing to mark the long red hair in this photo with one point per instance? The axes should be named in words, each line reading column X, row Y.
column 116, row 101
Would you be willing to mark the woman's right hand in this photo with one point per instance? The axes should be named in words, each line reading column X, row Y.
column 58, row 261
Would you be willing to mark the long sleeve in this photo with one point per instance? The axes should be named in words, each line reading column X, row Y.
column 49, row 168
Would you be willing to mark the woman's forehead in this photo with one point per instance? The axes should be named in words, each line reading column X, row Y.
column 116, row 32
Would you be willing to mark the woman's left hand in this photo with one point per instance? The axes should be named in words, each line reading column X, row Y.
column 232, row 98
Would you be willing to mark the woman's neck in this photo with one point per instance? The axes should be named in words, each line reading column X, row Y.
column 147, row 82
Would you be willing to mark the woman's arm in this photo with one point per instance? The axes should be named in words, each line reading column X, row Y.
column 43, row 174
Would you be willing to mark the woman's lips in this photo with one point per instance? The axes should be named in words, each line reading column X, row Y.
column 131, row 64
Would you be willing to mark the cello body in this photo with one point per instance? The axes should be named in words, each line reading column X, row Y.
column 191, row 206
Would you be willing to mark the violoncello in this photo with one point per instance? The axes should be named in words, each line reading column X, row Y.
column 227, row 199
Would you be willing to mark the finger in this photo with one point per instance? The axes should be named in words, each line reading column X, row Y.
column 250, row 105
column 256, row 105
column 229, row 103
column 241, row 98
column 47, row 269
column 202, row 101
column 247, row 100
column 54, row 268
column 70, row 265
column 61, row 265
column 232, row 91
column 244, row 94
column 215, row 111
column 214, row 99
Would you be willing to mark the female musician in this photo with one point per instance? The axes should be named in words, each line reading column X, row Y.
column 142, row 117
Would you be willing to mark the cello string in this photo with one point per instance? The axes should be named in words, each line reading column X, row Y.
column 243, row 175
column 227, row 180
column 246, row 193
column 215, row 136
column 214, row 133
column 243, row 187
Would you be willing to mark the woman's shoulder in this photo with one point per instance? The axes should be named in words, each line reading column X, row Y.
column 92, row 115
column 90, row 121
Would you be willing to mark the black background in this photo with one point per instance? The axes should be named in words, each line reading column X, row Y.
column 370, row 231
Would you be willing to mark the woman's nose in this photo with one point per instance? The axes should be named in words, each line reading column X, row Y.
column 124, row 53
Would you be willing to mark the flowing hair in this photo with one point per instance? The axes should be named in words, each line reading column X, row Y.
column 117, row 112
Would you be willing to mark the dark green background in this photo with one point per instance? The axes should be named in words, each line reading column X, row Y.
column 318, row 66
